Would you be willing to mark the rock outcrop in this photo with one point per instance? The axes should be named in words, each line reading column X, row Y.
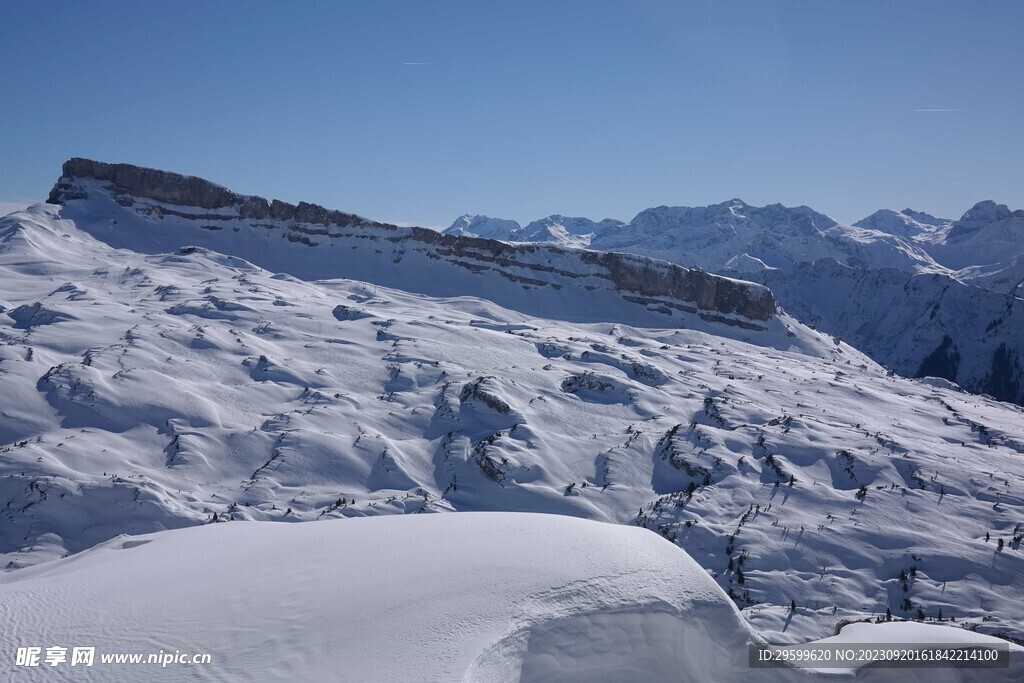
column 181, row 190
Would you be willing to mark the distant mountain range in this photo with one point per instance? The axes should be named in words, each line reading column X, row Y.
column 921, row 295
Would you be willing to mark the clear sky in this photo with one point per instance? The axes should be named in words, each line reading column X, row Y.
column 416, row 112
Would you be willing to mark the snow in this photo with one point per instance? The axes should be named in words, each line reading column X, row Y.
column 911, row 632
column 149, row 391
column 467, row 597
column 905, row 223
column 156, row 379
column 433, row 597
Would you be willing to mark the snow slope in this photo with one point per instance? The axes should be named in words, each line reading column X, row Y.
column 147, row 391
column 921, row 324
column 469, row 597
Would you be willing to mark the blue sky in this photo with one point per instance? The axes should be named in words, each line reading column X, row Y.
column 416, row 112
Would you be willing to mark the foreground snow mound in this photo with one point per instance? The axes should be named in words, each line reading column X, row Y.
column 470, row 597
column 477, row 596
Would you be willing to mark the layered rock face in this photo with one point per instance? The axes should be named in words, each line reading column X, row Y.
column 338, row 244
column 181, row 190
column 710, row 292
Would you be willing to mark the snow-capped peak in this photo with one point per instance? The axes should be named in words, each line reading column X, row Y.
column 566, row 230
column 735, row 215
column 925, row 218
column 483, row 226
column 984, row 214
column 990, row 232
column 905, row 223
column 573, row 225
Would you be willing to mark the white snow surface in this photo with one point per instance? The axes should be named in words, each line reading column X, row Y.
column 468, row 597
column 434, row 598
column 144, row 391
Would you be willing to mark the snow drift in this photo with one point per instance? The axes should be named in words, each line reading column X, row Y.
column 472, row 597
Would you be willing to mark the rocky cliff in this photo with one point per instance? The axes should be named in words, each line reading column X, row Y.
column 135, row 182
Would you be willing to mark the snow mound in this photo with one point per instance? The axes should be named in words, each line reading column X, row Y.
column 469, row 597
column 476, row 597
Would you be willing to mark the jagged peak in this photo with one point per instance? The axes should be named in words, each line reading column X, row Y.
column 987, row 211
column 905, row 223
column 736, row 212
column 981, row 215
column 925, row 217
column 573, row 225
column 480, row 225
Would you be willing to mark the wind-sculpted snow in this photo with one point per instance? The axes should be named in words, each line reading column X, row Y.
column 479, row 598
column 180, row 389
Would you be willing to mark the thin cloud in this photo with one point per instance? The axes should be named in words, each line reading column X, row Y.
column 936, row 110
column 416, row 63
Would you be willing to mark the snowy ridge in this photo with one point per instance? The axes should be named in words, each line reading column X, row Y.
column 905, row 223
column 131, row 207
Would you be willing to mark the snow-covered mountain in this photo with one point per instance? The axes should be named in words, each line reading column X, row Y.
column 708, row 237
column 567, row 231
column 906, row 223
column 155, row 377
column 483, row 226
column 897, row 285
column 561, row 230
column 989, row 235
column 984, row 247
